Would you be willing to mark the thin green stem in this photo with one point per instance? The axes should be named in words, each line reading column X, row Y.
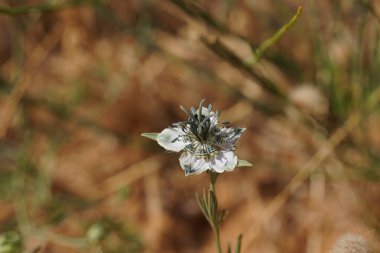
column 274, row 38
column 217, row 239
column 215, row 223
column 213, row 177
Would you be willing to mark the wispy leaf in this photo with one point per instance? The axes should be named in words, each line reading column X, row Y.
column 238, row 244
column 152, row 136
column 229, row 248
column 243, row 163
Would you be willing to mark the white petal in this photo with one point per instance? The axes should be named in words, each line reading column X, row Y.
column 217, row 163
column 232, row 136
column 193, row 165
column 223, row 161
column 185, row 159
column 169, row 139
column 231, row 162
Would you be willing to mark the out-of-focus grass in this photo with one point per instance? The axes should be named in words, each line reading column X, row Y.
column 350, row 83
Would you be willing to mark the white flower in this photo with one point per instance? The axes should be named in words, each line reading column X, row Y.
column 206, row 144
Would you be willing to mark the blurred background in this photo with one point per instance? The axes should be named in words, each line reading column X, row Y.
column 81, row 80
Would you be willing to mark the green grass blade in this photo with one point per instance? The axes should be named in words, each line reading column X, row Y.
column 238, row 244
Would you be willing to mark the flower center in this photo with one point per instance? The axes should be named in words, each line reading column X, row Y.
column 200, row 127
column 201, row 150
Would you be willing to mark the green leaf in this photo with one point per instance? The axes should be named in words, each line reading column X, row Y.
column 238, row 244
column 203, row 203
column 152, row 136
column 243, row 163
column 222, row 215
column 229, row 248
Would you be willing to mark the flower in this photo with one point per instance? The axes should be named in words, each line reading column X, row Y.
column 205, row 143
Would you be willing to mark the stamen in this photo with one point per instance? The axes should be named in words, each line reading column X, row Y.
column 200, row 109
column 214, row 120
column 184, row 110
column 204, row 120
column 193, row 112
column 199, row 130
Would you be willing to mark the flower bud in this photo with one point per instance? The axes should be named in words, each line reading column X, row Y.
column 10, row 242
column 96, row 232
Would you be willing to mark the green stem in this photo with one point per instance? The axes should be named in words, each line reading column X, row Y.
column 215, row 225
column 274, row 38
column 213, row 177
column 217, row 239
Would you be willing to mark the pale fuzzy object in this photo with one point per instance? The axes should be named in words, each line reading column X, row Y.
column 350, row 244
column 241, row 48
column 310, row 100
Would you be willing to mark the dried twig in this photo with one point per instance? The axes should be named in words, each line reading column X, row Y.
column 131, row 174
column 226, row 54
